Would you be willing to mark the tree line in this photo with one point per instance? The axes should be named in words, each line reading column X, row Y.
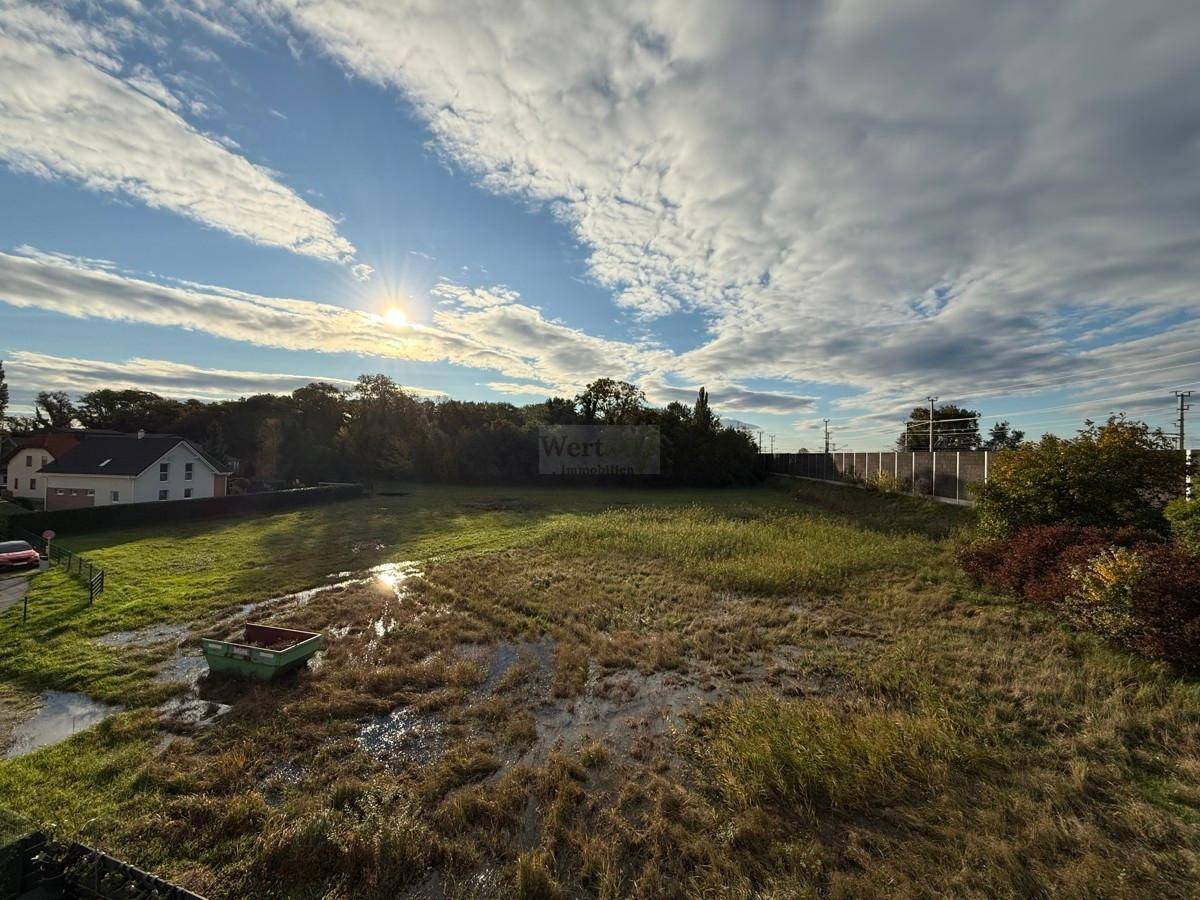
column 955, row 428
column 377, row 431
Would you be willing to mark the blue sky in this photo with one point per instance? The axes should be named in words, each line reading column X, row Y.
column 819, row 210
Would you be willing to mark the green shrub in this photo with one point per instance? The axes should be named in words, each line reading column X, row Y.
column 1184, row 516
column 1102, row 599
column 887, row 483
column 1120, row 473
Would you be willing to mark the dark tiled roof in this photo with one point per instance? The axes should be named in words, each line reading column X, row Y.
column 117, row 455
column 57, row 440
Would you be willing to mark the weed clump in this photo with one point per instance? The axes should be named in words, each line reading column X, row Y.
column 763, row 749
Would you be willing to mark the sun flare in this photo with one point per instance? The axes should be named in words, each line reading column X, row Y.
column 395, row 316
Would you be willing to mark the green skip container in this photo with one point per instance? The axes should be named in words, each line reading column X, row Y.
column 264, row 652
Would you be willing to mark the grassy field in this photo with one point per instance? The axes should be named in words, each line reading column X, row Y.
column 780, row 692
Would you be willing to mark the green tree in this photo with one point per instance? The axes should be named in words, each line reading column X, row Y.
column 954, row 428
column 1115, row 474
column 381, row 426
column 703, row 418
column 214, row 441
column 310, row 433
column 1002, row 436
column 611, row 402
column 53, row 409
column 128, row 410
column 270, row 442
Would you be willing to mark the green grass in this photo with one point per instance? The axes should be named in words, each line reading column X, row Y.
column 855, row 718
column 763, row 749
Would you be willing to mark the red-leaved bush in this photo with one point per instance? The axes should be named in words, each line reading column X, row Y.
column 1166, row 604
column 1036, row 562
column 1156, row 602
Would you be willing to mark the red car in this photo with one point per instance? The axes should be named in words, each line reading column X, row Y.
column 18, row 555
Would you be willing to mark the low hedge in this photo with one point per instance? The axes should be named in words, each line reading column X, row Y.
column 1132, row 586
column 127, row 515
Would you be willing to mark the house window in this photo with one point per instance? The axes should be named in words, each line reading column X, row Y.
column 33, row 484
column 187, row 493
column 187, row 471
column 45, row 460
column 164, row 471
column 16, row 483
column 29, row 461
column 164, row 494
column 91, row 492
column 58, row 492
column 114, row 496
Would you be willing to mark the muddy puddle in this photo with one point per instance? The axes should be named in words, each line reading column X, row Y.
column 390, row 576
column 192, row 710
column 401, row 736
column 145, row 637
column 507, row 657
column 60, row 715
column 626, row 711
column 618, row 710
column 183, row 668
column 279, row 779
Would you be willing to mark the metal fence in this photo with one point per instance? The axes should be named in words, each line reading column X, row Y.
column 946, row 475
column 37, row 866
column 75, row 564
column 943, row 474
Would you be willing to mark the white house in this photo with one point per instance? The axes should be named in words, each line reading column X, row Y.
column 131, row 469
column 23, row 473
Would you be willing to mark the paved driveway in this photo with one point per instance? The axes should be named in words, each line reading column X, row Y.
column 14, row 586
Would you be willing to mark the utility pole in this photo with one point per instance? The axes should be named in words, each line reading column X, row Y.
column 1183, row 408
column 772, row 443
column 932, row 400
column 826, row 421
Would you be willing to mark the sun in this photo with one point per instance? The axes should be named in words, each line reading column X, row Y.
column 395, row 316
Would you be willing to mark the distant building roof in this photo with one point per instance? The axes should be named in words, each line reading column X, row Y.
column 56, row 441
column 120, row 454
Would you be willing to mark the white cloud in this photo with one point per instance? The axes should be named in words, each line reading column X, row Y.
column 65, row 112
column 476, row 297
column 28, row 372
column 901, row 196
column 527, row 390
column 728, row 397
column 514, row 339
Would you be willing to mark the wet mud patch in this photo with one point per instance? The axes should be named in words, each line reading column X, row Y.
column 404, row 735
column 626, row 712
column 184, row 667
column 631, row 713
column 59, row 715
column 392, row 577
column 192, row 711
column 510, row 663
column 281, row 778
column 159, row 633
